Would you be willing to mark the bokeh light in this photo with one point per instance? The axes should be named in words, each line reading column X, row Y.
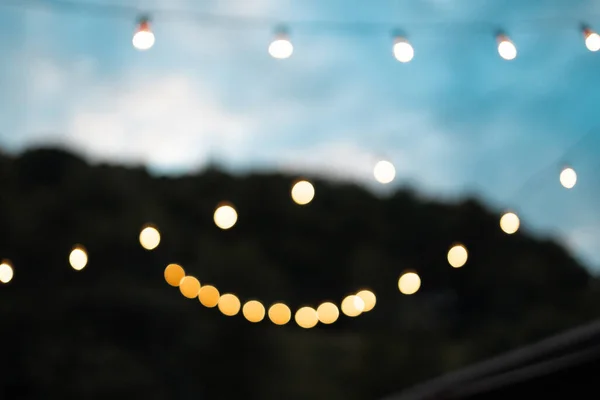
column 409, row 283
column 281, row 47
column 174, row 273
column 568, row 178
column 592, row 40
column 229, row 304
column 149, row 237
column 143, row 39
column 403, row 51
column 328, row 313
column 384, row 172
column 353, row 306
column 506, row 48
column 209, row 296
column 6, row 272
column 368, row 298
column 254, row 311
column 78, row 258
column 306, row 317
column 303, row 192
column 280, row 314
column 510, row 223
column 225, row 216
column 457, row 256
column 189, row 287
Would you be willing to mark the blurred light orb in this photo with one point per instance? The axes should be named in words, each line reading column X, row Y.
column 149, row 238
column 353, row 306
column 189, row 287
column 303, row 192
column 143, row 39
column 507, row 49
column 384, row 172
column 281, row 47
column 6, row 272
column 254, row 311
column 229, row 304
column 592, row 41
column 328, row 313
column 225, row 216
column 280, row 314
column 368, row 299
column 409, row 283
column 457, row 256
column 209, row 296
column 78, row 258
column 306, row 317
column 403, row 51
column 568, row 178
column 510, row 223
column 174, row 274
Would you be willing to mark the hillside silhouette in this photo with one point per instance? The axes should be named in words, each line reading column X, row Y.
column 116, row 328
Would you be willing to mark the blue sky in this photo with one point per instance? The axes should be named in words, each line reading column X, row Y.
column 458, row 119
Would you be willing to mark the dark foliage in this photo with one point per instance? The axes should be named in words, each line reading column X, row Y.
column 117, row 329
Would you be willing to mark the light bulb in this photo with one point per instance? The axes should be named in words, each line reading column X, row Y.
column 78, row 258
column 384, row 172
column 568, row 178
column 6, row 272
column 143, row 39
column 281, row 47
column 510, row 223
column 592, row 39
column 506, row 48
column 303, row 192
column 225, row 216
column 403, row 51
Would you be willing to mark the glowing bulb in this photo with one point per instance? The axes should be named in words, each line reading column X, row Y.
column 457, row 256
column 506, row 48
column 280, row 314
column 403, row 51
column 328, row 313
column 78, row 258
column 568, row 178
column 209, row 296
column 6, row 272
column 306, row 317
column 229, row 304
column 353, row 306
column 409, row 283
column 592, row 39
column 189, row 287
column 174, row 274
column 225, row 217
column 149, row 238
column 254, row 311
column 510, row 223
column 368, row 299
column 281, row 47
column 303, row 192
column 384, row 172
column 143, row 39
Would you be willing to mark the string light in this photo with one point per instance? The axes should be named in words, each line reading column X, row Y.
column 409, row 283
column 384, row 172
column 403, row 50
column 328, row 313
column 149, row 237
column 189, row 287
column 592, row 39
column 303, row 192
column 6, row 272
column 225, row 216
column 509, row 223
column 353, row 306
column 457, row 256
column 254, row 311
column 568, row 178
column 174, row 274
column 78, row 258
column 281, row 47
column 229, row 304
column 306, row 317
column 368, row 298
column 506, row 48
column 143, row 38
column 280, row 314
column 209, row 296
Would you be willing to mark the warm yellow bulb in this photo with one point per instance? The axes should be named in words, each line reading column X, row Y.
column 189, row 287
column 303, row 192
column 510, row 223
column 254, row 311
column 78, row 258
column 6, row 272
column 149, row 238
column 306, row 317
column 280, row 314
column 409, row 283
column 225, row 216
column 174, row 274
column 457, row 256
column 209, row 296
column 384, row 172
column 229, row 304
column 368, row 299
column 328, row 313
column 353, row 306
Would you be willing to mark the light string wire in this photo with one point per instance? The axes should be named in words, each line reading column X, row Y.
column 251, row 22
